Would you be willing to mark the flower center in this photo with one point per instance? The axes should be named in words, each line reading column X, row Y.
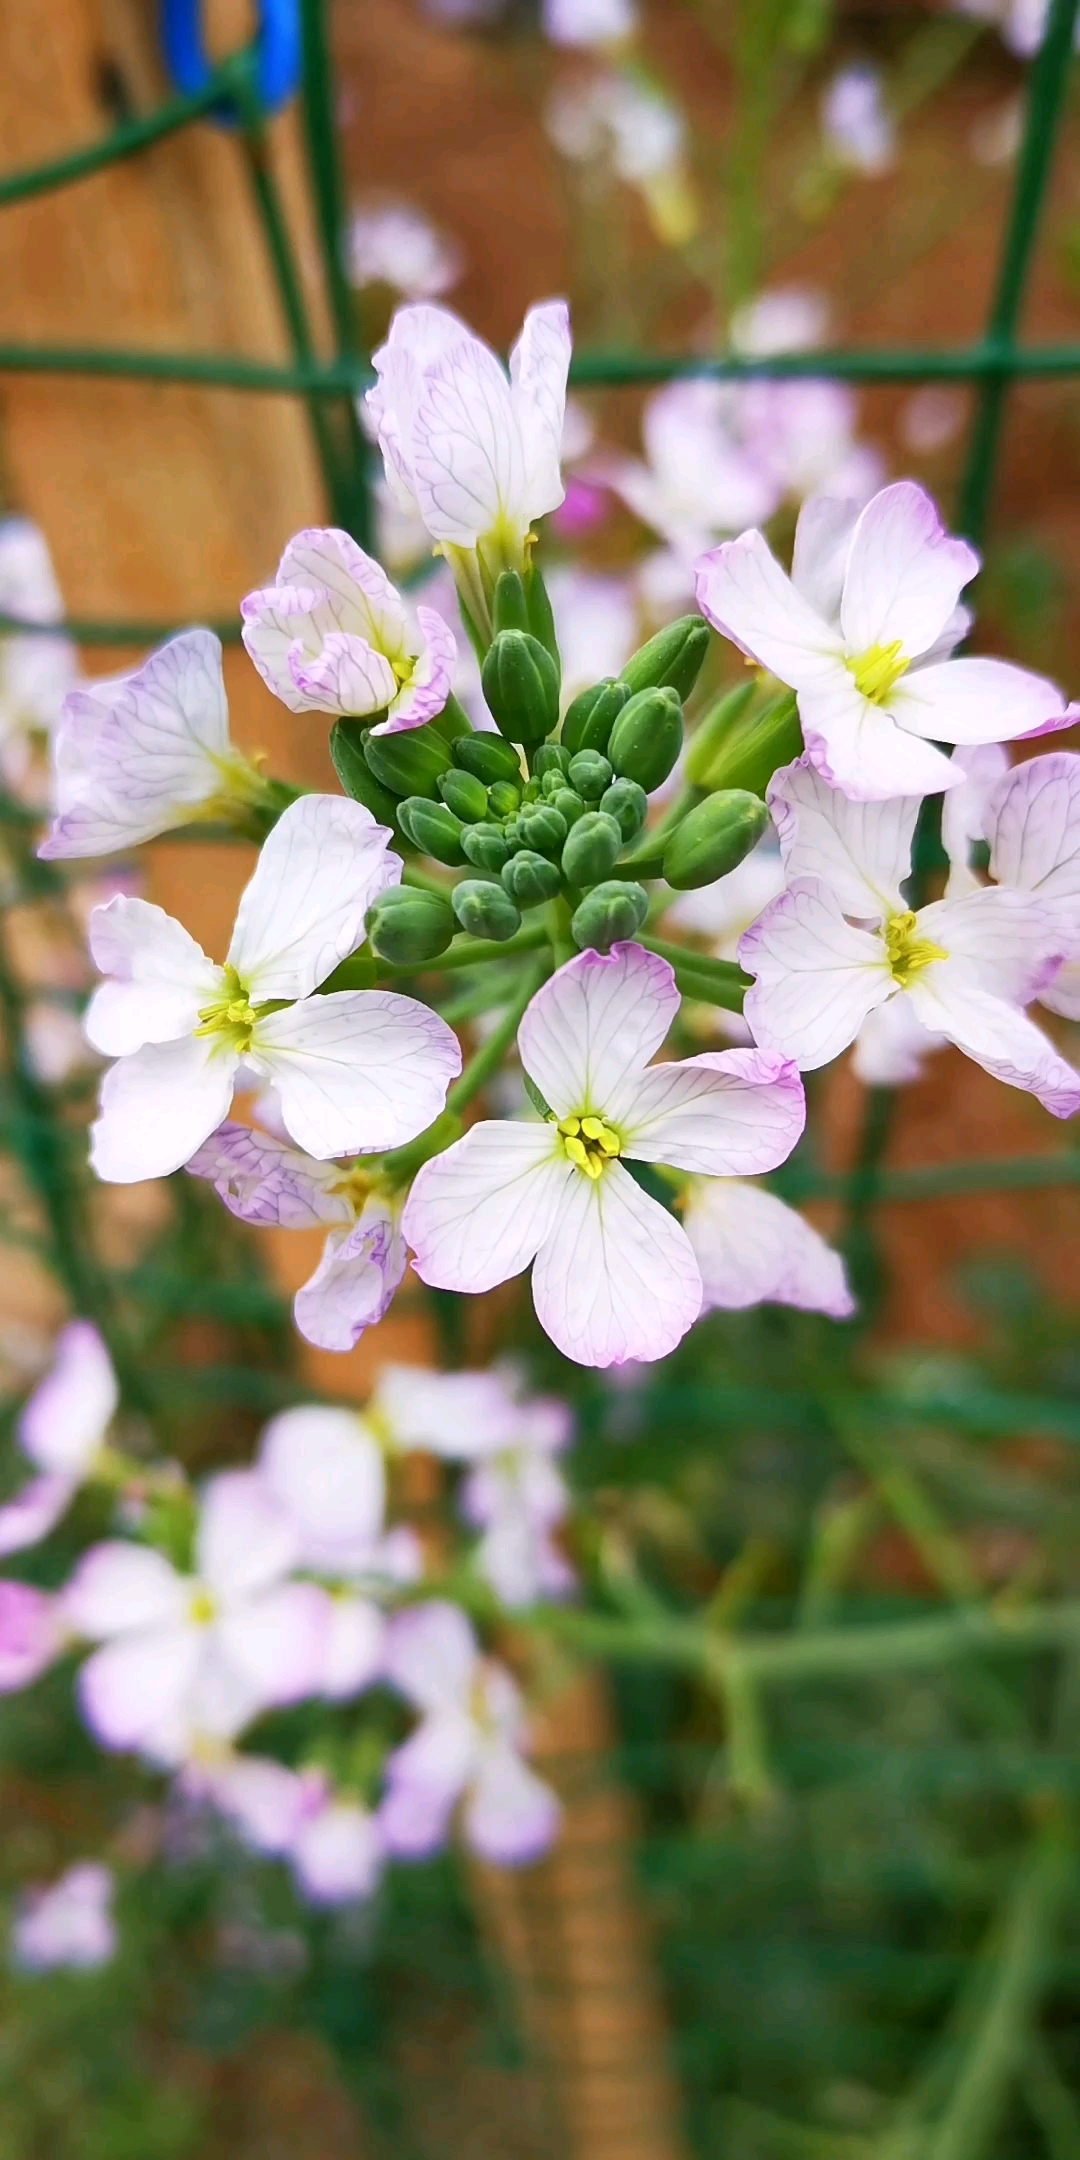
column 590, row 1143
column 877, row 669
column 202, row 1609
column 232, row 1015
column 354, row 1186
column 908, row 953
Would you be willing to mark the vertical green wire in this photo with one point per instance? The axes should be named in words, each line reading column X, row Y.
column 326, row 183
column 1046, row 98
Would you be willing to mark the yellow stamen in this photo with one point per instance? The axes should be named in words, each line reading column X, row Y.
column 232, row 1015
column 590, row 1142
column 202, row 1609
column 909, row 954
column 877, row 670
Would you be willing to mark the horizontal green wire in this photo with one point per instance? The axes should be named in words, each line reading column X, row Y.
column 124, row 142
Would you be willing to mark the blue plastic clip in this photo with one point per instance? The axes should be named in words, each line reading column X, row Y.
column 277, row 51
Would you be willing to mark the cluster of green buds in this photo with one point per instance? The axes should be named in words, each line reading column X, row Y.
column 536, row 813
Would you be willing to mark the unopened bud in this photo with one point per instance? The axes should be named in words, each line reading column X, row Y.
column 592, row 715
column 431, row 827
column 503, row 798
column 609, row 914
column 452, row 721
column 714, row 838
column 628, row 804
column 530, row 879
column 672, row 659
column 355, row 774
column 543, row 827
column 569, row 805
column 489, row 757
column 464, row 794
column 485, row 845
column 407, row 926
column 647, row 737
column 484, row 909
column 410, row 763
column 509, row 609
column 521, row 685
column 551, row 760
column 592, row 849
column 715, row 730
column 590, row 773
column 756, row 747
column 541, row 619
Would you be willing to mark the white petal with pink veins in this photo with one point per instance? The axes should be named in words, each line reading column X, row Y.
column 616, row 1278
column 597, row 1021
column 303, row 910
column 859, row 747
column 539, row 365
column 354, row 1283
column 904, row 574
column 747, row 597
column 162, row 977
column 817, row 976
column 478, row 1214
column 358, row 1070
column 724, row 1114
column 753, row 1249
column 158, row 1107
column 861, row 850
column 958, row 700
column 65, row 1421
column 264, row 1180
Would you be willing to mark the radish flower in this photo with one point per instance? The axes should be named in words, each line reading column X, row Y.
column 615, row 1276
column 69, row 1925
column 1032, row 822
column 332, row 635
column 857, row 631
column 841, row 941
column 61, row 1428
column 359, row 1069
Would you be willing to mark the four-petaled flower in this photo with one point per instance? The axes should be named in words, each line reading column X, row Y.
column 842, row 940
column 862, row 631
column 615, row 1276
column 356, row 1069
column 332, row 635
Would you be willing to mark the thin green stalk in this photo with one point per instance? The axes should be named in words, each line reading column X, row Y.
column 1050, row 2101
column 490, row 1055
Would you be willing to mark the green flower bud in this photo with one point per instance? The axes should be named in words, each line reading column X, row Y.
column 513, row 835
column 485, row 845
column 541, row 619
column 608, row 914
column 464, row 794
column 410, row 763
column 484, row 909
column 592, row 715
column 431, row 827
column 552, row 761
column 647, row 737
column 408, row 926
column 713, row 838
column 509, row 607
column 590, row 774
column 627, row 803
column 543, row 828
column 569, row 805
column 532, row 791
column 489, row 757
column 716, row 729
column 529, row 879
column 355, row 774
column 592, row 848
column 503, row 799
column 672, row 659
column 521, row 685
column 754, row 749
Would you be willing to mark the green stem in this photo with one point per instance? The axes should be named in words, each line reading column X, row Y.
column 716, row 982
column 490, row 1055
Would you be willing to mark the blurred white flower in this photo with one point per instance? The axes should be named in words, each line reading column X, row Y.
column 596, row 622
column 791, row 318
column 36, row 672
column 391, row 242
column 68, row 1924
column 588, row 22
column 857, row 127
column 632, row 125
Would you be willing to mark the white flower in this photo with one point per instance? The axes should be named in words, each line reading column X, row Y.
column 614, row 1274
column 68, row 1925
column 332, row 634
column 149, row 751
column 588, row 22
column 185, row 1655
column 1032, row 822
column 753, row 1249
column 475, row 452
column 699, row 479
column 359, row 1069
column 61, row 1428
column 466, row 1748
column 857, row 631
column 787, row 318
column 1022, row 22
column 36, row 672
column 332, row 1843
column 857, row 128
column 841, row 941
column 393, row 243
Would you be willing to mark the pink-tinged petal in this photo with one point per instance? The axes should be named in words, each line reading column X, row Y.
column 134, row 1687
column 1063, row 994
column 162, row 977
column 478, row 1214
column 34, row 1511
column 119, row 1589
column 745, row 595
column 819, row 558
column 262, row 1799
column 859, row 747
column 363, row 598
column 430, row 1656
column 65, row 1421
column 455, row 1415
column 1033, row 826
column 32, row 1634
column 616, row 1277
column 345, row 676
column 539, row 365
column 904, row 573
column 352, row 1646
column 264, row 1180
column 892, row 1046
column 964, row 809
column 753, row 1250
column 135, row 757
column 517, row 1557
column 997, row 1035
column 424, row 1778
column 69, row 1925
column 303, row 911
column 817, row 976
column 246, row 1539
column 158, row 1107
column 511, row 1817
column 1008, row 941
column 324, row 1468
column 426, row 690
column 354, row 1283
column 357, row 1071
column 961, row 701
column 860, row 850
column 337, row 1854
column 597, row 1021
column 468, row 465
column 728, row 1113
column 277, row 1643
